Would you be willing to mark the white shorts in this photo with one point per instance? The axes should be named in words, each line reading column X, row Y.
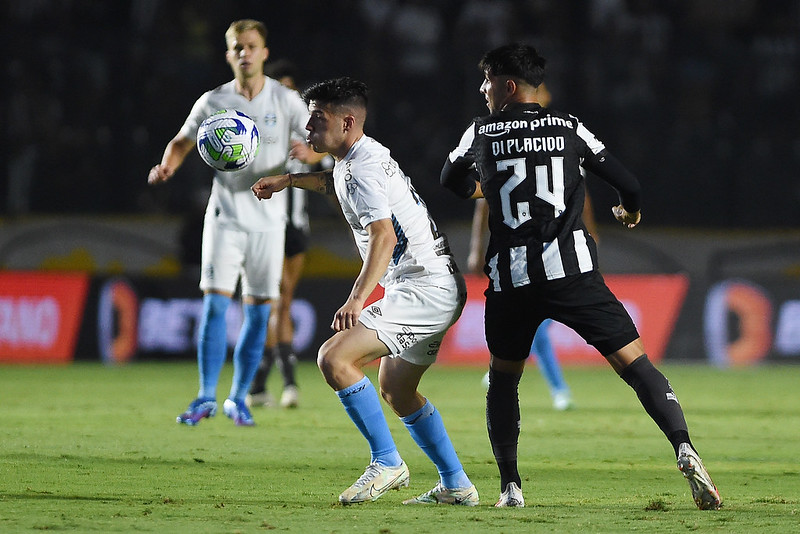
column 412, row 317
column 256, row 257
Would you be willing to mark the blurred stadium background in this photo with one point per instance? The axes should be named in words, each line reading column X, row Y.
column 697, row 97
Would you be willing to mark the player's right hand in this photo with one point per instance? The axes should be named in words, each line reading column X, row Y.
column 266, row 186
column 628, row 218
column 159, row 174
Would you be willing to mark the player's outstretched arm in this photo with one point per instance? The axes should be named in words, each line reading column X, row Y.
column 265, row 187
column 173, row 157
column 321, row 182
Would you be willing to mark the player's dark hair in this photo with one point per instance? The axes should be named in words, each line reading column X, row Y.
column 515, row 60
column 339, row 92
column 280, row 68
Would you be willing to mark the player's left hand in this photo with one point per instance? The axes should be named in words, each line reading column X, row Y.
column 629, row 219
column 266, row 186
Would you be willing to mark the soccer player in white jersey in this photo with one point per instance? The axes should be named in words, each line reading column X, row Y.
column 424, row 294
column 280, row 331
column 242, row 238
column 542, row 263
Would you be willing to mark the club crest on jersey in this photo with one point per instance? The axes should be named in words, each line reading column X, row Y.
column 271, row 119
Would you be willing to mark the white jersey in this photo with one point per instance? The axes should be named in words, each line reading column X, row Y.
column 371, row 186
column 277, row 112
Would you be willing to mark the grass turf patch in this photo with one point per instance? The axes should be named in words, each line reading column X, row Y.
column 92, row 448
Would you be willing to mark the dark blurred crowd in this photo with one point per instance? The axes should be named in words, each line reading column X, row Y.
column 697, row 97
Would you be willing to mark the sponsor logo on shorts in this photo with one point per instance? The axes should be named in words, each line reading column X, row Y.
column 406, row 338
column 433, row 348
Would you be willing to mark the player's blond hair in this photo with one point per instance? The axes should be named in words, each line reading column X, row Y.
column 239, row 26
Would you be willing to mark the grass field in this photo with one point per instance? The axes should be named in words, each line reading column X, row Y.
column 90, row 448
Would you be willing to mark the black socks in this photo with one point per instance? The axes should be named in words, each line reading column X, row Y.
column 503, row 422
column 656, row 395
column 284, row 356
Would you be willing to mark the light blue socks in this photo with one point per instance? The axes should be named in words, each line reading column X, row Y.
column 361, row 403
column 249, row 349
column 212, row 346
column 546, row 359
column 427, row 428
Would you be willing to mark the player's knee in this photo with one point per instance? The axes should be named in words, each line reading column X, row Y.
column 327, row 361
column 215, row 304
column 322, row 359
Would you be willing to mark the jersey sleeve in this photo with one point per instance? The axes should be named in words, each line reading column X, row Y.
column 597, row 159
column 200, row 111
column 458, row 173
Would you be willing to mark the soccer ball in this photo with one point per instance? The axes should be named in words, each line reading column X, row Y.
column 228, row 140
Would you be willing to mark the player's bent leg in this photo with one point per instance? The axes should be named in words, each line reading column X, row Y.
column 659, row 400
column 399, row 380
column 340, row 360
column 342, row 356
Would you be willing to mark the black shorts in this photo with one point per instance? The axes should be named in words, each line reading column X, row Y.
column 296, row 241
column 582, row 302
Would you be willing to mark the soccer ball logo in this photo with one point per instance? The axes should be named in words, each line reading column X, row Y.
column 228, row 140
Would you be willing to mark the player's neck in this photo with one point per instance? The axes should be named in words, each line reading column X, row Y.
column 341, row 152
column 249, row 87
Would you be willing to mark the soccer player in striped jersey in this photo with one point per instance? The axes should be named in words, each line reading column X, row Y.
column 242, row 239
column 542, row 263
column 402, row 249
column 542, row 347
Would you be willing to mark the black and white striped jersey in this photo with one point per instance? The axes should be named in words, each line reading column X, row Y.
column 529, row 161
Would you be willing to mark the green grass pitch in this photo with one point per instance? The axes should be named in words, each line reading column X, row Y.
column 89, row 448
